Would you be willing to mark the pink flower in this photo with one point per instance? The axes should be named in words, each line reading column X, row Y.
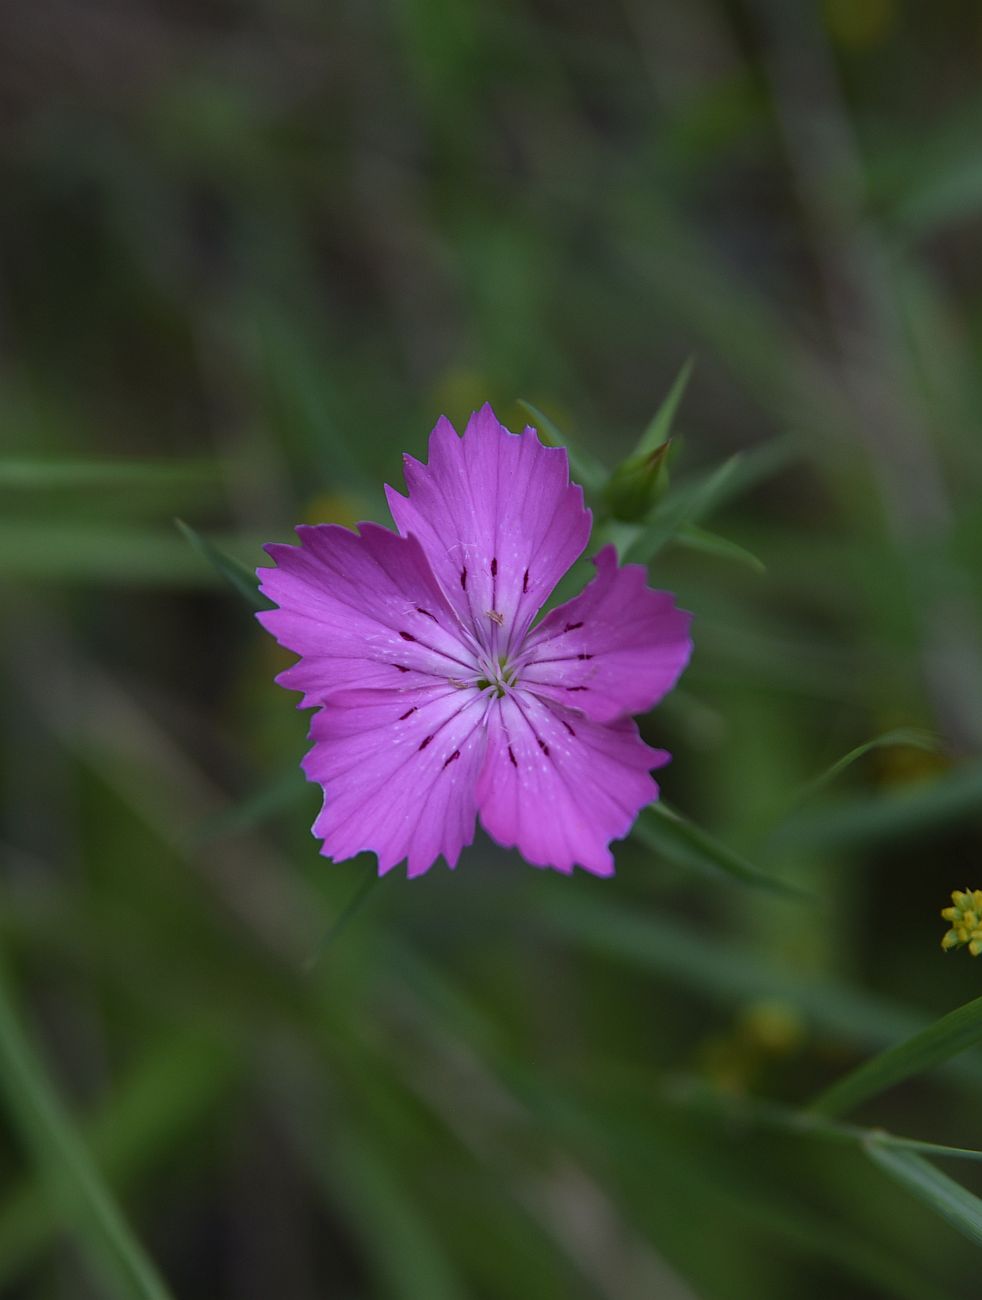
column 437, row 700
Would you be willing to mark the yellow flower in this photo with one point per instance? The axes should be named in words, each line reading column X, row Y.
column 965, row 919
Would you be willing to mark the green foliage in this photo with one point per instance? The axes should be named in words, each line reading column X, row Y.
column 248, row 257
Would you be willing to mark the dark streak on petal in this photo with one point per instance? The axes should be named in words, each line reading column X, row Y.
column 514, row 760
column 407, row 636
column 584, row 656
column 401, row 668
column 426, row 742
column 576, row 688
column 571, row 627
column 525, row 582
column 494, row 568
column 455, row 754
column 543, row 746
column 567, row 726
column 421, row 610
column 407, row 714
column 463, row 578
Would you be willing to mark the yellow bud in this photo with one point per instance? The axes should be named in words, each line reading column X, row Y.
column 965, row 918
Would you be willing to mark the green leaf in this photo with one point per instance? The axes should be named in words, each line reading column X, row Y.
column 582, row 466
column 240, row 578
column 733, row 1110
column 689, row 503
column 906, row 811
column 961, row 1208
column 947, row 1037
column 724, row 972
column 698, row 539
column 660, row 427
column 911, row 737
column 65, row 1165
column 666, row 832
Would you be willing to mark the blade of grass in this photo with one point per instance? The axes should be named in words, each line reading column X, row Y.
column 64, row 1163
column 721, row 548
column 241, row 579
column 666, row 832
column 733, row 975
column 898, row 814
column 942, row 1194
column 945, row 1038
column 582, row 466
column 757, row 1113
column 181, row 1082
column 911, row 737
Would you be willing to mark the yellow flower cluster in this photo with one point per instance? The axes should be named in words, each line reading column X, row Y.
column 966, row 921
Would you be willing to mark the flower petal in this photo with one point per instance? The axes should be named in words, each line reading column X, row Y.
column 615, row 649
column 398, row 770
column 559, row 787
column 361, row 610
column 498, row 519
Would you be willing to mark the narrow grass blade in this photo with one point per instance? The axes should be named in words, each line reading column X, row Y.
column 947, row 1037
column 756, row 1113
column 898, row 814
column 241, row 579
column 911, row 737
column 65, row 1165
column 583, row 467
column 721, row 548
column 344, row 918
column 732, row 975
column 961, row 1208
column 669, row 834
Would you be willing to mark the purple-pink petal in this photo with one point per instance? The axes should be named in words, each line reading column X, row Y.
column 361, row 611
column 615, row 649
column 498, row 519
column 399, row 770
column 559, row 787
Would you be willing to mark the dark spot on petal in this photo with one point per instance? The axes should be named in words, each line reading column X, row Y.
column 514, row 760
column 407, row 636
column 576, row 688
column 407, row 714
column 426, row 742
column 494, row 567
column 421, row 610
column 567, row 726
column 463, row 578
column 401, row 668
column 571, row 627
column 525, row 581
column 543, row 746
column 584, row 656
column 455, row 754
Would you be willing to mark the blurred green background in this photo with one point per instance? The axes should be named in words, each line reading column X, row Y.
column 248, row 254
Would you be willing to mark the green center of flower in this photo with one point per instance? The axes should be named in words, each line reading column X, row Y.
column 498, row 675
